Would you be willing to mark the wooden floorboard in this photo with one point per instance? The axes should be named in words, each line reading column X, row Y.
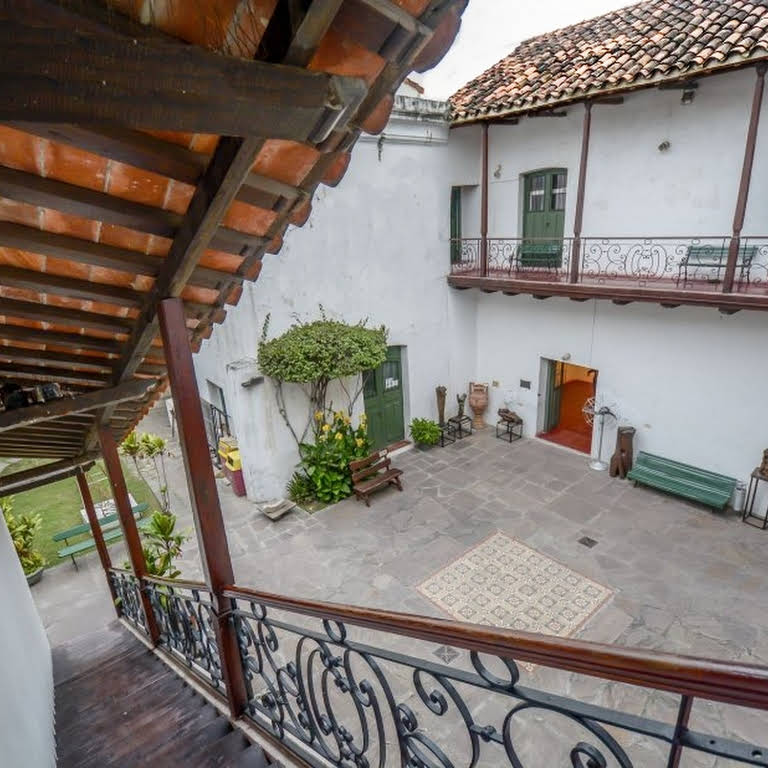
column 119, row 706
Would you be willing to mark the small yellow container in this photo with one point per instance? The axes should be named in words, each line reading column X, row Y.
column 226, row 446
column 232, row 460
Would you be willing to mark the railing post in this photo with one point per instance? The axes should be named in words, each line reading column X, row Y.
column 98, row 535
column 683, row 715
column 116, row 477
column 209, row 523
column 579, row 213
column 484, row 205
column 746, row 178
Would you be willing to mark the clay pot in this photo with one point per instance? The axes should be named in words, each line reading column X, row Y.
column 478, row 402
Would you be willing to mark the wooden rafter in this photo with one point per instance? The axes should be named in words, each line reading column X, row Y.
column 62, row 74
column 131, row 390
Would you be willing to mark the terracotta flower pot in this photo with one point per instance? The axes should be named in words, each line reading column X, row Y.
column 478, row 402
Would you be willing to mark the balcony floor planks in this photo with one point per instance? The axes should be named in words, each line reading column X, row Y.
column 117, row 704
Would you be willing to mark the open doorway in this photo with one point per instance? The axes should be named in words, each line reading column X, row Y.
column 567, row 388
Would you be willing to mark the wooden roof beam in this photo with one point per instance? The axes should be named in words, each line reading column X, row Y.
column 129, row 390
column 48, row 313
column 37, row 483
column 55, row 338
column 40, row 373
column 55, row 71
column 56, row 359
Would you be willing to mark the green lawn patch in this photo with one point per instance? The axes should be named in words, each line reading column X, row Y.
column 59, row 503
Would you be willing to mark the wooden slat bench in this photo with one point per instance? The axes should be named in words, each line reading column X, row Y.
column 716, row 257
column 684, row 480
column 540, row 256
column 373, row 472
column 110, row 527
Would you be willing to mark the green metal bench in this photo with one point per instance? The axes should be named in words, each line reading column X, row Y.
column 683, row 480
column 716, row 257
column 110, row 527
column 540, row 255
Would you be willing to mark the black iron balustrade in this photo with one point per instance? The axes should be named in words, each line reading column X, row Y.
column 185, row 619
column 216, row 426
column 126, row 587
column 466, row 256
column 674, row 263
column 354, row 704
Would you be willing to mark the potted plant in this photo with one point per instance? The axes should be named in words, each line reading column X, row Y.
column 23, row 529
column 425, row 432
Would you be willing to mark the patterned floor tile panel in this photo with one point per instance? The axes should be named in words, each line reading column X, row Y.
column 505, row 583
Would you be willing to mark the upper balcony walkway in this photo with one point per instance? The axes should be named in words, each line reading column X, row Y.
column 671, row 271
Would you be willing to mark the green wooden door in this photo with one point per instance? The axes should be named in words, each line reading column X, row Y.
column 455, row 224
column 384, row 400
column 543, row 218
column 554, row 395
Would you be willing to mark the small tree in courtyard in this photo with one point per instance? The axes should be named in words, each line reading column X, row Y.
column 312, row 355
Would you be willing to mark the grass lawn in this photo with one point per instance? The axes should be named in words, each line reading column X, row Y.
column 59, row 503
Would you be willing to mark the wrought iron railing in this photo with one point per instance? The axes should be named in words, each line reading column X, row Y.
column 185, row 619
column 216, row 426
column 375, row 699
column 358, row 687
column 676, row 263
column 128, row 597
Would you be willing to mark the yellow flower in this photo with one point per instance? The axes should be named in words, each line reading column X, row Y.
column 363, row 419
column 326, row 427
column 321, row 438
column 359, row 442
column 318, row 415
column 339, row 436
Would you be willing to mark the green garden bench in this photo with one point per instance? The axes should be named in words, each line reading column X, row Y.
column 110, row 527
column 716, row 257
column 683, row 480
column 540, row 255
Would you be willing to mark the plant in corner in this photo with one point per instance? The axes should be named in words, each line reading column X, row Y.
column 425, row 431
column 326, row 463
column 23, row 529
column 300, row 489
column 162, row 546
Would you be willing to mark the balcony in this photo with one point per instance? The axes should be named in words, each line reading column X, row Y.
column 670, row 271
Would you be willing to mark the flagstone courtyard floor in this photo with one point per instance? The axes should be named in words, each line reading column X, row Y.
column 663, row 573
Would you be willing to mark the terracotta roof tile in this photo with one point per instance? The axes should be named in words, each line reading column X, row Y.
column 650, row 41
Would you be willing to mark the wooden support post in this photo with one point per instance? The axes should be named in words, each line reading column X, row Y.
column 98, row 536
column 209, row 523
column 746, row 177
column 484, row 205
column 579, row 214
column 128, row 524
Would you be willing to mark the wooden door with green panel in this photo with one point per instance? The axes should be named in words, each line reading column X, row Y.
column 383, row 395
column 543, row 218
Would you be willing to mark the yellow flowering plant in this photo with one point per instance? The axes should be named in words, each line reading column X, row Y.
column 326, row 463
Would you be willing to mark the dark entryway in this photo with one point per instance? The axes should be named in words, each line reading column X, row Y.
column 384, row 400
column 567, row 389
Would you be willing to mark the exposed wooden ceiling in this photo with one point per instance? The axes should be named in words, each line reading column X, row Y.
column 156, row 148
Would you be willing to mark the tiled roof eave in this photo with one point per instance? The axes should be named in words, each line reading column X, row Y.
column 730, row 64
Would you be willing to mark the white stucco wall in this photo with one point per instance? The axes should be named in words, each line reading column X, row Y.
column 687, row 379
column 26, row 676
column 375, row 247
column 633, row 189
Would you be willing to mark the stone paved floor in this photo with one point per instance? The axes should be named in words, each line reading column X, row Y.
column 685, row 580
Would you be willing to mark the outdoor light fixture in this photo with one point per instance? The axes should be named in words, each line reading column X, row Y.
column 664, row 146
column 689, row 92
column 497, row 172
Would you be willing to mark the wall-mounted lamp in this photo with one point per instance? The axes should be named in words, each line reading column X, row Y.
column 664, row 146
column 566, row 356
column 497, row 172
column 689, row 93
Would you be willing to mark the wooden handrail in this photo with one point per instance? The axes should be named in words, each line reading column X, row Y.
column 731, row 682
column 177, row 583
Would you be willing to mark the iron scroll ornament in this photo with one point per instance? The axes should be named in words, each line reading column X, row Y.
column 299, row 701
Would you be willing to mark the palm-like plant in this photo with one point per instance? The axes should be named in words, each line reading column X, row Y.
column 149, row 446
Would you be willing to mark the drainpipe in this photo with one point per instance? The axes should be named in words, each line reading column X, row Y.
column 579, row 215
column 484, row 205
column 746, row 177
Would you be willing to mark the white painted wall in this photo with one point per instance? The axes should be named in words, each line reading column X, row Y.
column 26, row 676
column 688, row 379
column 375, row 247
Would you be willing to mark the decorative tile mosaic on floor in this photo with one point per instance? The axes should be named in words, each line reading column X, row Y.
column 504, row 583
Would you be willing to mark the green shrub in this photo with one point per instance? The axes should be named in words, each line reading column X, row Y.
column 425, row 431
column 23, row 529
column 327, row 462
column 300, row 488
column 161, row 546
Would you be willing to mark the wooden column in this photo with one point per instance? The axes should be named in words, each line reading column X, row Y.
column 98, row 536
column 484, row 204
column 746, row 177
column 209, row 523
column 127, row 522
column 579, row 214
